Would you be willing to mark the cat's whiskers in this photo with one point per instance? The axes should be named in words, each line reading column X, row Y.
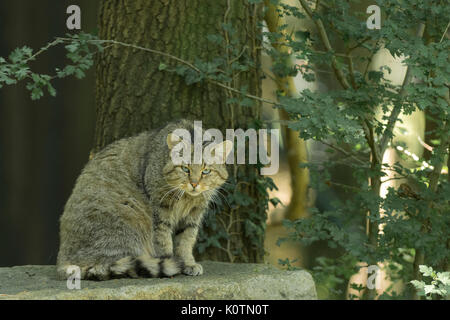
column 213, row 197
column 165, row 189
column 177, row 196
column 207, row 195
column 176, row 188
column 215, row 201
column 221, row 195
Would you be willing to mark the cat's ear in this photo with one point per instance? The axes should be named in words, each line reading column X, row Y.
column 172, row 140
column 222, row 150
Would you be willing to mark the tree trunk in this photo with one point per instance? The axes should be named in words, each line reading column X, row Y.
column 296, row 147
column 133, row 95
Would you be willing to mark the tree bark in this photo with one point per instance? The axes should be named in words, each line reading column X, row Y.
column 133, row 95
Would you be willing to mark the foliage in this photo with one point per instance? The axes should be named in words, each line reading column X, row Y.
column 439, row 286
column 250, row 223
column 415, row 217
column 17, row 67
column 330, row 275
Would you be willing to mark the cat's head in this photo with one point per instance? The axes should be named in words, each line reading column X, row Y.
column 195, row 179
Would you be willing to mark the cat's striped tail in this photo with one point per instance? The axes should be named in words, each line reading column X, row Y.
column 143, row 266
column 146, row 266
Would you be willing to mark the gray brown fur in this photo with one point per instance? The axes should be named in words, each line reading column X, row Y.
column 123, row 220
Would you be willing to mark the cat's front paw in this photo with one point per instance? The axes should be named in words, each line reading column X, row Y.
column 194, row 270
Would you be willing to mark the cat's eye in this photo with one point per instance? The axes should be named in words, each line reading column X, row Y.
column 185, row 169
column 206, row 171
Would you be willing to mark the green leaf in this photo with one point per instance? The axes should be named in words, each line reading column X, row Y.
column 418, row 284
column 427, row 271
column 428, row 289
column 72, row 47
column 275, row 201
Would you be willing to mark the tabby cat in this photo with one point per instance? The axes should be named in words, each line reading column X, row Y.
column 135, row 213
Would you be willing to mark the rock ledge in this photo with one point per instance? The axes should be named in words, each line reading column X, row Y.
column 220, row 281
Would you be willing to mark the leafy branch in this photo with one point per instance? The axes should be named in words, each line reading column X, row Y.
column 18, row 69
column 17, row 66
column 439, row 286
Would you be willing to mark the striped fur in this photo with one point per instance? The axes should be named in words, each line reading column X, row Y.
column 139, row 267
column 134, row 213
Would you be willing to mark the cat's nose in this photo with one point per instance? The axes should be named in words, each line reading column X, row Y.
column 194, row 184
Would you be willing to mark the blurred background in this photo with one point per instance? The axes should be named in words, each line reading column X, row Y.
column 43, row 144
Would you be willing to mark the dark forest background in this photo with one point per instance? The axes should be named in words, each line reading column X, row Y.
column 44, row 144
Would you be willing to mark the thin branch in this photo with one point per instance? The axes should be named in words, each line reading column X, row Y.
column 394, row 178
column 370, row 138
column 217, row 83
column 239, row 55
column 348, row 154
column 42, row 50
column 344, row 186
column 424, row 144
column 326, row 42
column 187, row 63
column 445, row 32
column 352, row 72
column 161, row 53
column 358, row 45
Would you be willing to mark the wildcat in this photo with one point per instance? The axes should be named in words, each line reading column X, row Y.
column 135, row 213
